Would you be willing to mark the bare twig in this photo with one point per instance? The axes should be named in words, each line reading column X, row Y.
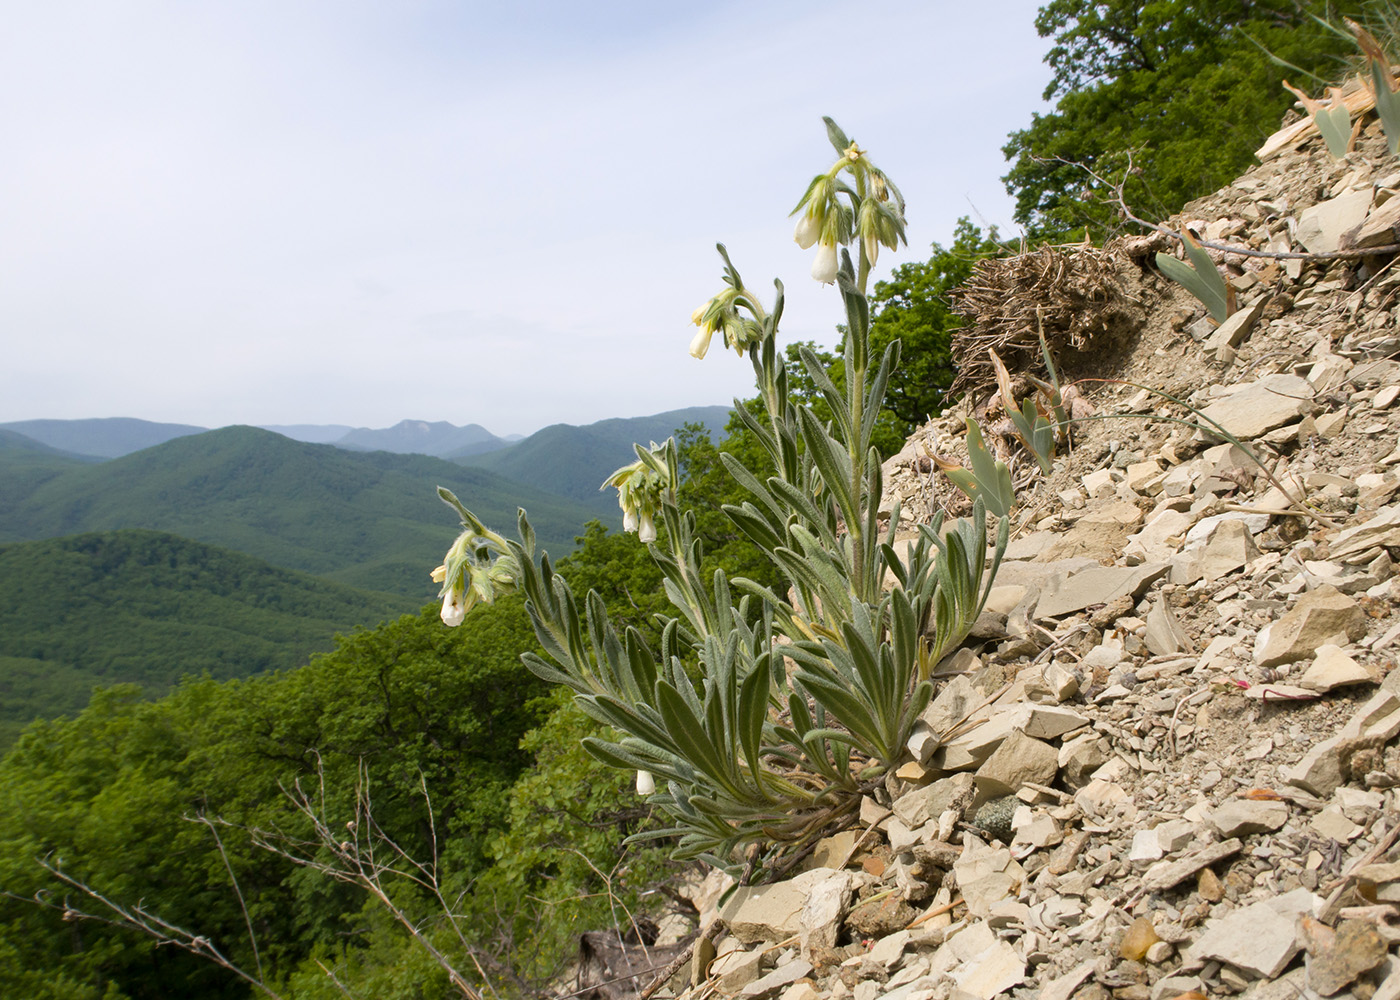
column 137, row 917
column 1128, row 214
column 665, row 977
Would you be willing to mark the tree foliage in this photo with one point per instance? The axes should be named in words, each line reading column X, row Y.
column 1181, row 90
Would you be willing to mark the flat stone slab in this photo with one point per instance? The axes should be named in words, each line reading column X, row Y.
column 1261, row 406
column 1319, row 615
column 1259, row 939
column 1166, row 874
column 1076, row 591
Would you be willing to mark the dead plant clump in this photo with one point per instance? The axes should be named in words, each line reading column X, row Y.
column 1075, row 294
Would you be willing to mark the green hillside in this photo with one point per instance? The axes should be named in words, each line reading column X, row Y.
column 370, row 520
column 148, row 608
column 26, row 464
column 572, row 461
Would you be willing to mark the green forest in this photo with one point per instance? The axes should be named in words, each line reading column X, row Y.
column 283, row 794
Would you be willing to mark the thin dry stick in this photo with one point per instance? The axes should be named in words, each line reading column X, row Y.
column 937, row 911
column 675, row 966
column 138, row 917
column 247, row 920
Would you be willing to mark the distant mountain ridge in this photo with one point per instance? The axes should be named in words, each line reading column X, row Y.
column 105, row 437
column 420, row 437
column 365, row 519
column 572, row 461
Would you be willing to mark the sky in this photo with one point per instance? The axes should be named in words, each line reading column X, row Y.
column 273, row 212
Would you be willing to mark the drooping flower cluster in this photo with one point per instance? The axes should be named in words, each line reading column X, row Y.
column 641, row 487
column 721, row 313
column 832, row 213
column 477, row 567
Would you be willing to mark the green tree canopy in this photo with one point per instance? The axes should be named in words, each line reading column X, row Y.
column 1182, row 91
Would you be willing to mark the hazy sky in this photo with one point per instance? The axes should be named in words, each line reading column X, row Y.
column 499, row 213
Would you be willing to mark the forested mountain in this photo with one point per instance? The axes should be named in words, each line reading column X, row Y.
column 421, row 437
column 149, row 608
column 108, row 437
column 369, row 520
column 572, row 461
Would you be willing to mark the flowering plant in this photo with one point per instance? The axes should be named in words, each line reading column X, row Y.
column 765, row 714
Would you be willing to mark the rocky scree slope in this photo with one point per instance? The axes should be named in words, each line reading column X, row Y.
column 1166, row 763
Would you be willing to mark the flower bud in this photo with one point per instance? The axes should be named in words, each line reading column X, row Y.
column 646, row 784
column 646, row 528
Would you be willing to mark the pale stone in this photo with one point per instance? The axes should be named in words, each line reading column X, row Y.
column 952, row 706
column 1322, row 226
column 1165, row 874
column 1231, row 547
column 1260, row 406
column 1332, row 668
column 1019, row 759
column 922, row 805
column 1202, row 531
column 1331, row 823
column 1259, row 938
column 1239, row 817
column 773, row 912
column 1160, row 537
column 871, row 812
column 1098, row 535
column 1176, row 835
column 1081, row 757
column 831, row 851
column 783, row 975
column 1235, row 328
column 735, row 968
column 1378, row 228
column 993, row 972
column 1062, row 682
column 1319, row 616
column 1099, row 483
column 1383, row 529
column 1320, row 770
column 1145, row 849
column 1065, row 986
column 1145, row 477
column 1098, row 585
column 985, row 875
column 1164, row 633
column 1003, row 599
column 1042, row 831
column 889, row 949
column 968, row 750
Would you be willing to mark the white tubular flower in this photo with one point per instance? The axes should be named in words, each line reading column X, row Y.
column 826, row 264
column 646, row 784
column 646, row 528
column 454, row 607
column 701, row 342
column 808, row 229
column 629, row 519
